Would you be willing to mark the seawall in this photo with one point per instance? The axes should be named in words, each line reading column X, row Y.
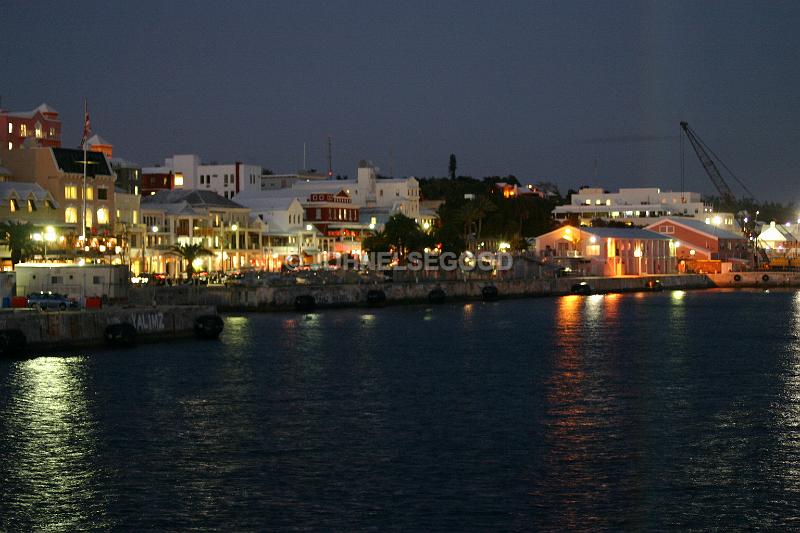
column 47, row 330
column 762, row 279
column 265, row 298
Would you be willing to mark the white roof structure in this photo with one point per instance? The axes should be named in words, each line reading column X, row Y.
column 24, row 190
column 97, row 140
column 43, row 108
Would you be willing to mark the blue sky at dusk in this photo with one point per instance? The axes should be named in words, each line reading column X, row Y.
column 541, row 90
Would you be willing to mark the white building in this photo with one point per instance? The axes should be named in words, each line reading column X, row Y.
column 640, row 207
column 227, row 179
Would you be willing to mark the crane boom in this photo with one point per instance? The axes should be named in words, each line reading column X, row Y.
column 708, row 163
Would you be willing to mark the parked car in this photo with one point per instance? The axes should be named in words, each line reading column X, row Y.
column 50, row 300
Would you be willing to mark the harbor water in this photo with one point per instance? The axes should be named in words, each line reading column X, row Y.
column 672, row 410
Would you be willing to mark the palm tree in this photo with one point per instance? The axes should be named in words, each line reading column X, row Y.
column 17, row 236
column 190, row 252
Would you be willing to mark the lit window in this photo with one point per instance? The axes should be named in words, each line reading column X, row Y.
column 23, row 130
column 10, row 127
column 89, row 193
column 10, row 145
column 13, row 205
column 179, row 179
column 588, row 201
column 71, row 192
column 38, row 130
column 71, row 215
column 135, row 189
column 597, row 202
column 608, row 202
column 89, row 218
column 31, row 206
column 135, row 218
column 52, row 132
column 102, row 216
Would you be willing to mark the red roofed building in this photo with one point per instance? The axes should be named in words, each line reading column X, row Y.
column 41, row 125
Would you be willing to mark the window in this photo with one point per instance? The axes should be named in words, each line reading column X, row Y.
column 135, row 218
column 23, row 130
column 71, row 192
column 102, row 216
column 56, row 280
column 31, row 206
column 102, row 193
column 588, row 202
column 38, row 130
column 10, row 127
column 97, row 280
column 89, row 218
column 10, row 145
column 667, row 229
column 225, row 180
column 89, row 193
column 49, row 204
column 593, row 249
column 52, row 132
column 13, row 205
column 135, row 189
column 71, row 215
column 179, row 179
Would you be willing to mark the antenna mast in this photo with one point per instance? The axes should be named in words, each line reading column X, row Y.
column 330, row 157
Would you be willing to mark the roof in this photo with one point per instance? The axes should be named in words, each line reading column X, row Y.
column 623, row 233
column 43, row 108
column 70, row 160
column 23, row 190
column 97, row 140
column 699, row 225
column 267, row 202
column 192, row 197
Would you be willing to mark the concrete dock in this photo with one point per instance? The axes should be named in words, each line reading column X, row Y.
column 48, row 330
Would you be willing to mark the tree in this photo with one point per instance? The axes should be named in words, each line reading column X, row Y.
column 451, row 168
column 405, row 235
column 190, row 252
column 378, row 242
column 17, row 236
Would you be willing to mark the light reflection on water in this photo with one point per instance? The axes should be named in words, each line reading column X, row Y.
column 653, row 411
column 49, row 447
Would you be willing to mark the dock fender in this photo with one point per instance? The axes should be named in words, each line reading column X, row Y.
column 436, row 296
column 737, row 277
column 305, row 302
column 12, row 341
column 122, row 334
column 208, row 326
column 489, row 293
column 765, row 278
column 376, row 297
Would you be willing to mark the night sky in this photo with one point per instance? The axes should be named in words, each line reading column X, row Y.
column 539, row 90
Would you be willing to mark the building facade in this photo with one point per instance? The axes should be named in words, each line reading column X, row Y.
column 40, row 127
column 607, row 251
column 697, row 240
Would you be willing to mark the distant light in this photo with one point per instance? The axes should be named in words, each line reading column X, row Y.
column 592, row 239
column 235, row 227
column 691, row 252
column 309, row 227
column 426, row 225
column 372, row 225
column 154, row 229
column 102, row 247
column 717, row 220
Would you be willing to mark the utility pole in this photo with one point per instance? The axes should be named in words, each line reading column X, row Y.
column 330, row 157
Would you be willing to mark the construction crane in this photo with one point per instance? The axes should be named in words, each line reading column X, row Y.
column 705, row 154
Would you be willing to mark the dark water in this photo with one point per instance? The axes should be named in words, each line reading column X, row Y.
column 658, row 411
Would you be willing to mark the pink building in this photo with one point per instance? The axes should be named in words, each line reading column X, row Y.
column 41, row 125
column 594, row 251
column 697, row 240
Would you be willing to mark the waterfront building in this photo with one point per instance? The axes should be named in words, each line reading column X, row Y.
column 597, row 251
column 638, row 207
column 225, row 228
column 129, row 175
column 72, row 280
column 697, row 241
column 286, row 230
column 38, row 127
column 60, row 172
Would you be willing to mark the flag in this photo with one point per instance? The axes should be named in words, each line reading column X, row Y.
column 87, row 128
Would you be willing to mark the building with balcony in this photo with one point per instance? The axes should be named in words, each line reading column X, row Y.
column 594, row 251
column 38, row 127
column 223, row 227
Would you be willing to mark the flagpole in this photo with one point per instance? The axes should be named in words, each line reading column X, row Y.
column 85, row 162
